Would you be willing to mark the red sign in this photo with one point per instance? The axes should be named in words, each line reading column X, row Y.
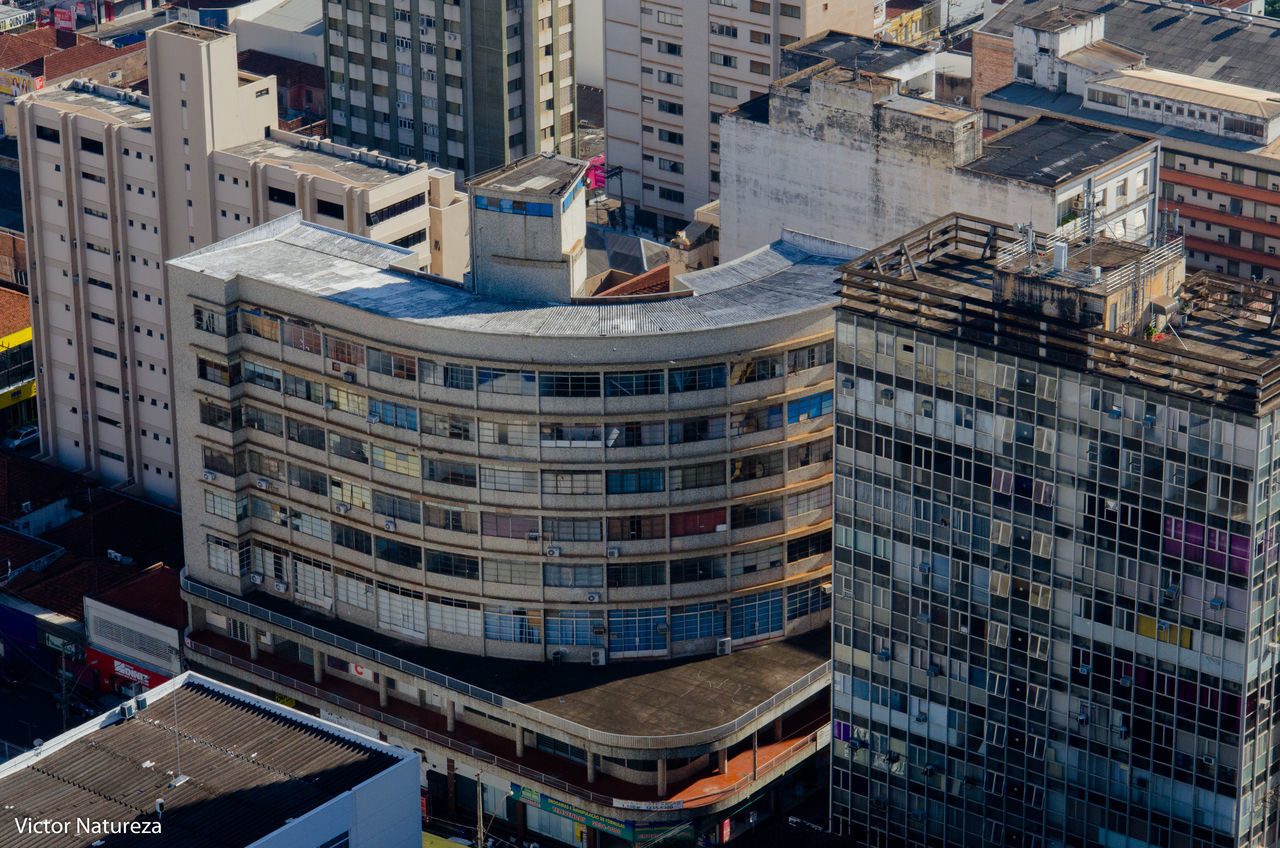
column 726, row 830
column 115, row 673
column 64, row 19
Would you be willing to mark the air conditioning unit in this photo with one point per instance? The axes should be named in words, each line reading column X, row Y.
column 255, row 579
column 281, row 586
column 372, row 419
column 1217, row 603
column 328, row 404
column 553, row 551
column 210, row 476
column 1083, row 718
column 533, row 536
column 1209, row 760
column 598, row 656
column 720, row 528
column 922, row 717
column 389, row 525
column 263, row 483
column 342, row 508
column 885, row 654
column 1085, row 669
column 933, row 671
column 348, row 376
column 924, row 568
column 1163, row 626
column 126, row 710
column 593, row 597
column 1126, row 681
column 724, row 646
column 613, row 553
column 660, row 627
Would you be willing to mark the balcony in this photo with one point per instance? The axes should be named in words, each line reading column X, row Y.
column 803, row 733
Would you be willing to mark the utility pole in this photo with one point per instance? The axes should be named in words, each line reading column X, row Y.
column 754, row 749
column 62, row 679
column 479, row 812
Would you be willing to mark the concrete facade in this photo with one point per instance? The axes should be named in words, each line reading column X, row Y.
column 668, row 83
column 468, row 87
column 839, row 155
column 115, row 183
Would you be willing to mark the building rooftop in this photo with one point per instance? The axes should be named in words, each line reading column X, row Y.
column 199, row 33
column 15, row 311
column 153, row 594
column 1103, row 56
column 541, row 174
column 783, row 278
column 326, row 159
column 252, row 767
column 64, row 63
column 1224, row 351
column 855, row 52
column 18, row 550
column 302, row 16
column 60, row 587
column 926, row 108
column 633, row 697
column 1051, row 151
column 27, row 485
column 112, row 105
column 1076, row 108
column 1203, row 92
column 1189, row 39
column 1057, row 19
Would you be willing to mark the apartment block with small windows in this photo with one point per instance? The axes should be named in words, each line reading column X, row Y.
column 115, row 183
column 467, row 86
column 673, row 68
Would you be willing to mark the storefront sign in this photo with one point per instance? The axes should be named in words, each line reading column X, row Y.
column 64, row 19
column 613, row 827
column 115, row 673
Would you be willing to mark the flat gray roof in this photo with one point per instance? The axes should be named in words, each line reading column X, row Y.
column 855, row 52
column 111, row 104
column 330, row 164
column 1050, row 151
column 1197, row 40
column 542, row 173
column 778, row 280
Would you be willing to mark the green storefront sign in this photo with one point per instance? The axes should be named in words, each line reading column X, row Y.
column 624, row 830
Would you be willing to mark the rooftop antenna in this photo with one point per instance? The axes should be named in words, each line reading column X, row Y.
column 177, row 745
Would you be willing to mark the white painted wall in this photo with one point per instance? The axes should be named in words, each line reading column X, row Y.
column 588, row 42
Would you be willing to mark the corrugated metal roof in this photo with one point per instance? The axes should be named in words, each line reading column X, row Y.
column 250, row 771
column 1188, row 89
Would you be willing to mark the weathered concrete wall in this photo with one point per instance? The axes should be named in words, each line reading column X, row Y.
column 861, row 176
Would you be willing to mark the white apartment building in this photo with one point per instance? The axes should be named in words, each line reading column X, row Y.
column 470, row 86
column 116, row 183
column 855, row 148
column 674, row 66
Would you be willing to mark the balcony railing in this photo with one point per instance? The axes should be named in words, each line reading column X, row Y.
column 807, row 685
column 784, row 758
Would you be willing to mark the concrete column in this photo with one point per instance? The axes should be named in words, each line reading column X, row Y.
column 253, row 643
column 591, row 767
column 452, row 785
column 662, row 777
column 317, row 666
column 519, row 741
column 722, row 761
column 382, row 690
column 450, row 716
column 777, row 729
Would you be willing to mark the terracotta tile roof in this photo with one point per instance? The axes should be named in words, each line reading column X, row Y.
column 288, row 72
column 16, row 50
column 16, row 550
column 111, row 522
column 15, row 312
column 154, row 595
column 27, row 481
column 61, row 587
column 63, row 63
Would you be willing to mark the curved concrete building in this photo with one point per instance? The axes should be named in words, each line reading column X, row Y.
column 385, row 471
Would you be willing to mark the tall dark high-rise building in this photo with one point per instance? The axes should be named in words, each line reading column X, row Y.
column 1055, row 553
